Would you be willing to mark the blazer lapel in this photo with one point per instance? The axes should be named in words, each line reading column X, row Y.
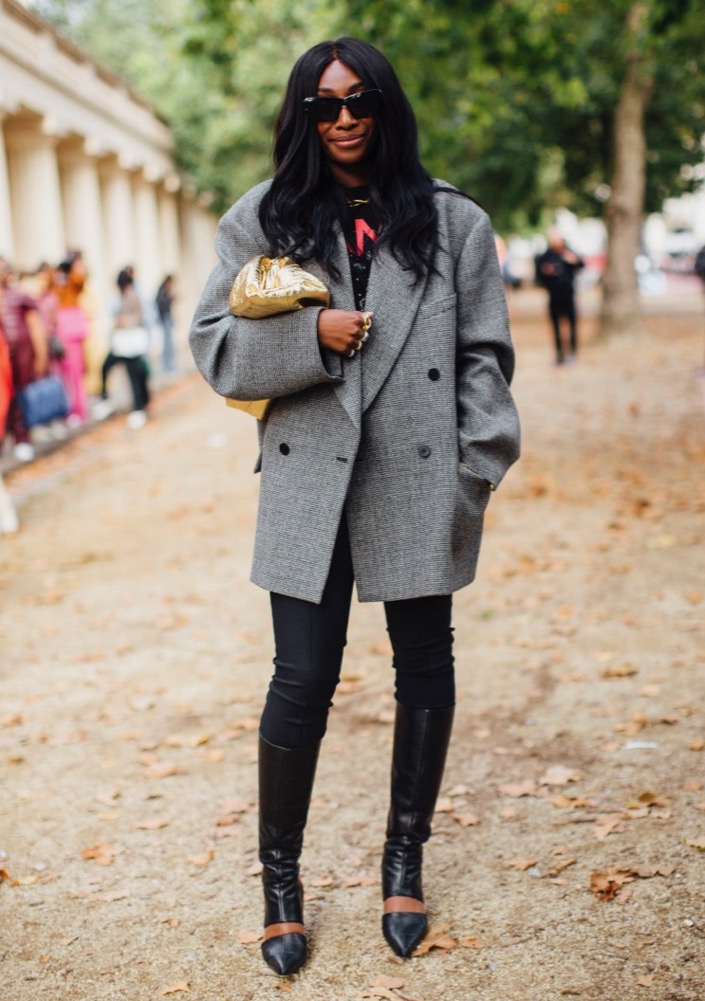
column 349, row 392
column 394, row 299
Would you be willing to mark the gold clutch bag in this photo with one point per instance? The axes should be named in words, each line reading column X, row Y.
column 267, row 286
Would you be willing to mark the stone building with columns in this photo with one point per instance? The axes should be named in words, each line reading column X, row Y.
column 86, row 164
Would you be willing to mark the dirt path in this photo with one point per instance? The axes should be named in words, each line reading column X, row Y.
column 135, row 656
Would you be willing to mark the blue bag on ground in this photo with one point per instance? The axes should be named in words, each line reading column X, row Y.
column 43, row 401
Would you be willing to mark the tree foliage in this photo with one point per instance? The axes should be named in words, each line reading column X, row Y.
column 515, row 98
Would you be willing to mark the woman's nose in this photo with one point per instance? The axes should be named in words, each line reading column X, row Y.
column 345, row 118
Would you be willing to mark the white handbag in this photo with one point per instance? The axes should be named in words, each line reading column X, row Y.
column 130, row 342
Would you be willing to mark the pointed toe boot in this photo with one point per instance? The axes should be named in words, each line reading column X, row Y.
column 285, row 783
column 421, row 738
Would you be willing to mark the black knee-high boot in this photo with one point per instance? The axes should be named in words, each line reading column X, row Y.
column 285, row 784
column 421, row 738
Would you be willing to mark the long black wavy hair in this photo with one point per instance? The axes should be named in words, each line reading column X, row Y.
column 299, row 211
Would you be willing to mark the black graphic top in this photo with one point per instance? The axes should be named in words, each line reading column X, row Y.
column 360, row 229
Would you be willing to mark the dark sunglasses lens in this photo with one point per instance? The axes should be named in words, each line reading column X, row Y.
column 324, row 109
column 327, row 109
column 364, row 104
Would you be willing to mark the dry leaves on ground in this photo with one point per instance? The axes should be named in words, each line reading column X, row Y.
column 183, row 987
column 102, row 853
column 437, row 938
column 608, row 885
column 519, row 789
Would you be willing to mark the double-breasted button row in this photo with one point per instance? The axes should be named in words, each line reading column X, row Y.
column 284, row 448
column 434, row 375
column 424, row 451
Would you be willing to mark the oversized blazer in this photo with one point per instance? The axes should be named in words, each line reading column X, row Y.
column 405, row 440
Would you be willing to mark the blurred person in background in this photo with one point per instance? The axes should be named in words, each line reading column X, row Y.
column 129, row 346
column 164, row 303
column 8, row 517
column 699, row 268
column 26, row 338
column 555, row 271
column 71, row 330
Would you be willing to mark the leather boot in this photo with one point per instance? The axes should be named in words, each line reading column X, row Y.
column 421, row 738
column 285, row 784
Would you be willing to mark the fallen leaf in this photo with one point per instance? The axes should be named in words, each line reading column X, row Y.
column 606, row 885
column 183, row 987
column 608, row 825
column 444, row 805
column 619, row 671
column 466, row 819
column 249, row 937
column 114, row 895
column 152, row 825
column 472, row 943
column 204, row 859
column 559, row 775
column 238, row 805
column 645, row 981
column 348, row 884
column 6, row 877
column 520, row 864
column 161, row 770
column 379, row 992
column 391, row 983
column 102, row 853
column 699, row 844
column 561, row 866
column 437, row 938
column 518, row 789
column 697, row 745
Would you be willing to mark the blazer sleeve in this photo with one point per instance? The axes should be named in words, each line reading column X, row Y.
column 252, row 359
column 488, row 423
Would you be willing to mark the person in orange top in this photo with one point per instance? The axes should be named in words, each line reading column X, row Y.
column 72, row 331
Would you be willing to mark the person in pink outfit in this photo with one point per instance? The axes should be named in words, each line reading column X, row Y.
column 72, row 330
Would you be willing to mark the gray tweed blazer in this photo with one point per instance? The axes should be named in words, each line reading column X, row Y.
column 407, row 438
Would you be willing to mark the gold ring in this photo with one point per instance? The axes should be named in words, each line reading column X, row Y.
column 366, row 322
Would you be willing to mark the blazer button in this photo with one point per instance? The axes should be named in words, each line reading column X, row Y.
column 284, row 448
column 424, row 451
column 434, row 375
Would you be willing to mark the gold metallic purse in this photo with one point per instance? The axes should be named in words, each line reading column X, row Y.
column 270, row 285
column 267, row 286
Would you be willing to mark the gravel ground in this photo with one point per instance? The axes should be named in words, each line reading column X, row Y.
column 567, row 859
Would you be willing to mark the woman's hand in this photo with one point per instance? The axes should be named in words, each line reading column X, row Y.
column 343, row 330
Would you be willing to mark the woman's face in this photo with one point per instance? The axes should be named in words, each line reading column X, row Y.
column 348, row 141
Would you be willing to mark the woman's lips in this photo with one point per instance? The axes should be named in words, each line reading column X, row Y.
column 348, row 142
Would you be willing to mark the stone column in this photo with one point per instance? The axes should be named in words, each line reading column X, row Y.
column 170, row 239
column 199, row 257
column 149, row 267
column 7, row 243
column 37, row 215
column 118, row 219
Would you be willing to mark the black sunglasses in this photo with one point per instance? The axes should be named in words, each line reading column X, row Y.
column 327, row 109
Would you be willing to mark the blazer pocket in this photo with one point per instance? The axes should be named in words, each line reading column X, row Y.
column 437, row 306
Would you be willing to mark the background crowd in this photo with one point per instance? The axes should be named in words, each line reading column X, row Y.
column 46, row 326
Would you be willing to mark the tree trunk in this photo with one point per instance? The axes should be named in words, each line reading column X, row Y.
column 625, row 209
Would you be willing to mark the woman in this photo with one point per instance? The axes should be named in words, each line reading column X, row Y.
column 71, row 328
column 26, row 338
column 378, row 454
column 129, row 345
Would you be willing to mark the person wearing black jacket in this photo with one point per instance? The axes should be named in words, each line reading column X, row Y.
column 555, row 271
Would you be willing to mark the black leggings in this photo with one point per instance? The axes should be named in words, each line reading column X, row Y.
column 137, row 372
column 309, row 641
